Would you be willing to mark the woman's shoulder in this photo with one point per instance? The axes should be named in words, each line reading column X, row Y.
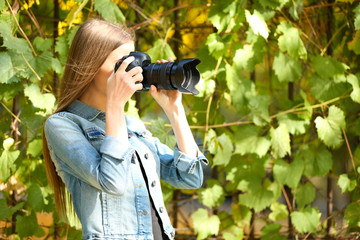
column 61, row 119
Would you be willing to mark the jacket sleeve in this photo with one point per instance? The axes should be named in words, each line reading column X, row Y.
column 179, row 169
column 71, row 152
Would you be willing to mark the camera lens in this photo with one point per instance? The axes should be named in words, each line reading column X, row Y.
column 182, row 76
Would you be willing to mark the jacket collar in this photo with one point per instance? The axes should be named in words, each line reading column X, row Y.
column 83, row 110
column 89, row 113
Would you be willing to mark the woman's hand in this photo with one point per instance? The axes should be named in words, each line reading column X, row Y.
column 167, row 99
column 122, row 85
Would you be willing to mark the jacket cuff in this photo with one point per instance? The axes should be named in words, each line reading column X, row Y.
column 116, row 148
column 186, row 163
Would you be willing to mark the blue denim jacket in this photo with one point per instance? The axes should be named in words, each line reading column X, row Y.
column 103, row 174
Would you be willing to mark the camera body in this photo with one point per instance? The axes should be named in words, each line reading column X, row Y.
column 182, row 76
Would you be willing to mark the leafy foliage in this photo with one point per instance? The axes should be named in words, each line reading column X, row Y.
column 278, row 107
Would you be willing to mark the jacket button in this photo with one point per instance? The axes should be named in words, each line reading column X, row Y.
column 161, row 209
column 153, row 184
column 146, row 156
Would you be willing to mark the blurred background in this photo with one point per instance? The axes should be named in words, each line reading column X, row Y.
column 277, row 114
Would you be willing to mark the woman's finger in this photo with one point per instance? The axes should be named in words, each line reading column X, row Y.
column 134, row 71
column 125, row 64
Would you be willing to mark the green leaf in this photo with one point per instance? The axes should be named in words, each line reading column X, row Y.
column 6, row 67
column 215, row 45
column 296, row 9
column 306, row 220
column 317, row 162
column 352, row 214
column 27, row 226
column 278, row 212
column 354, row 81
column 248, row 174
column 241, row 214
column 2, row 5
column 286, row 68
column 62, row 47
column 34, row 148
column 248, row 141
column 271, row 232
column 161, row 50
column 257, row 23
column 295, row 125
column 10, row 90
column 290, row 40
column 289, row 174
column 10, row 42
column 357, row 17
column 326, row 89
column 42, row 44
column 159, row 130
column 6, row 211
column 330, row 129
column 222, row 147
column 304, row 195
column 258, row 199
column 235, row 233
column 327, row 67
column 35, row 198
column 259, row 107
column 241, row 88
column 213, row 195
column 44, row 101
column 7, row 166
column 204, row 225
column 251, row 54
column 109, row 11
column 280, row 141
column 56, row 66
column 346, row 184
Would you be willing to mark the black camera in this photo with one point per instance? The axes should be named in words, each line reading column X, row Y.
column 182, row 76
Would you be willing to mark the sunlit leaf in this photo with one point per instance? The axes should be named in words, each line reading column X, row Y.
column 346, row 184
column 205, row 225
column 330, row 129
column 44, row 101
column 249, row 141
column 213, row 195
column 295, row 125
column 306, row 220
column 290, row 40
column 280, row 141
column 355, row 94
column 257, row 23
column 278, row 211
column 161, row 50
column 7, row 166
column 286, row 68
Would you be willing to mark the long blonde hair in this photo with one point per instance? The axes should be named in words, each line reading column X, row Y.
column 92, row 44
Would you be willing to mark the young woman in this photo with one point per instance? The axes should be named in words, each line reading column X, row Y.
column 109, row 163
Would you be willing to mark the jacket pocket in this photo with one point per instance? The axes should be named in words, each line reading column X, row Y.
column 95, row 136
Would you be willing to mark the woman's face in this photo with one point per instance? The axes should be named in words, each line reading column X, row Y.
column 105, row 71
